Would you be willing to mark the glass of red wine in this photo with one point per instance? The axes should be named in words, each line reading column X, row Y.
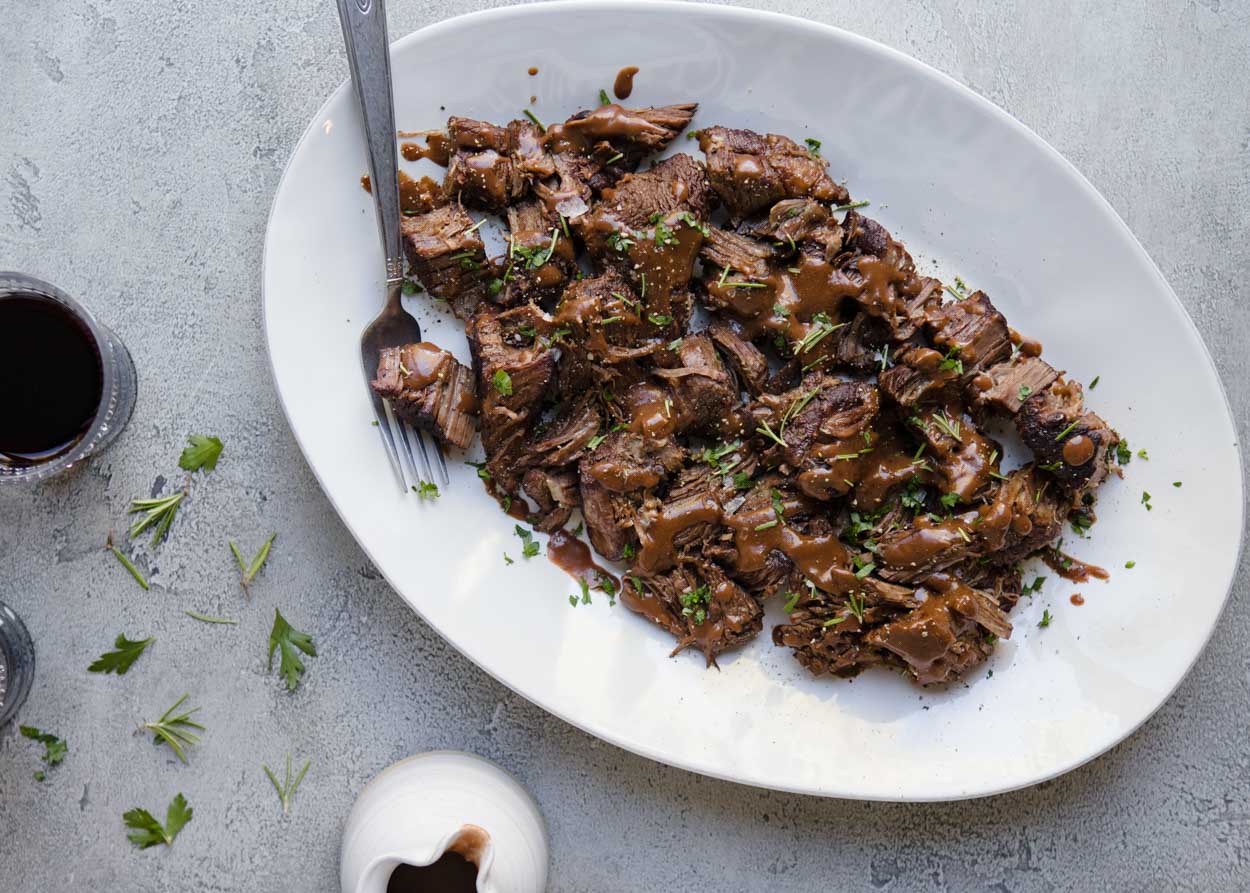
column 67, row 384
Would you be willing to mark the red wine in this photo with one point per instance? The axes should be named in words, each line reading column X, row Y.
column 51, row 378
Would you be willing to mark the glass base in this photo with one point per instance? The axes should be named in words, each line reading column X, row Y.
column 17, row 663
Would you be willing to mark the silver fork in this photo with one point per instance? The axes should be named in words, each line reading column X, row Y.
column 368, row 57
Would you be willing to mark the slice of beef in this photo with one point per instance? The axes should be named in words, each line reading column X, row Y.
column 792, row 221
column 673, row 185
column 1003, row 387
column 946, row 635
column 971, row 331
column 606, row 320
column 555, row 493
column 1001, row 582
column 920, row 375
column 698, row 604
column 492, row 166
column 887, row 284
column 540, row 259
column 625, row 462
column 612, row 129
column 513, row 381
column 568, row 434
column 1066, row 441
column 702, row 389
column 961, row 455
column 859, row 344
column 446, row 253
column 1025, row 514
column 610, row 517
column 743, row 256
column 430, row 388
column 744, row 358
column 911, row 553
column 750, row 171
column 569, row 192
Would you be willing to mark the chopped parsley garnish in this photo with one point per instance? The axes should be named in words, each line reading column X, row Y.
column 694, row 223
column 620, row 242
column 529, row 547
column 603, row 97
column 1123, row 455
column 792, row 599
column 694, row 604
column 503, row 382
column 54, row 748
column 813, row 147
column 1145, row 500
column 507, row 559
column 713, row 456
column 1130, row 564
column 659, row 319
column 663, row 235
column 852, row 206
column 1176, row 483
column 952, row 361
column 742, row 481
column 494, row 288
column 914, row 496
column 675, row 345
column 1142, row 454
column 1035, row 586
column 949, row 500
column 481, row 469
column 865, row 570
column 615, row 158
column 628, row 552
column 1046, row 618
column 288, row 638
column 1024, row 392
column 426, row 489
column 1081, row 522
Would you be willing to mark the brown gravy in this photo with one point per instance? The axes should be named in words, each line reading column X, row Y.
column 437, row 149
column 573, row 557
column 1070, row 568
column 451, row 873
column 624, row 83
column 533, row 70
column 1077, row 599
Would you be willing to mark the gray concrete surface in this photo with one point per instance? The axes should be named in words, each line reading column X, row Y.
column 140, row 145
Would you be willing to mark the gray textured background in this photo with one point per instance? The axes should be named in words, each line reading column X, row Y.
column 140, row 145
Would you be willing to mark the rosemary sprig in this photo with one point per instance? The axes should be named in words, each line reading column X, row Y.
column 251, row 570
column 125, row 562
column 208, row 618
column 172, row 728
column 159, row 512
column 286, row 790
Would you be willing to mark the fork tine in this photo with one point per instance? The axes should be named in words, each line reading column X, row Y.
column 381, row 411
column 416, row 434
column 442, row 463
column 397, row 435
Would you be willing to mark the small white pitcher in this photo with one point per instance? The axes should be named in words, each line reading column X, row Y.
column 422, row 807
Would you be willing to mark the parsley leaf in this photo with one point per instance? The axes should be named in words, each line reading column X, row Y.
column 202, row 453
column 426, row 489
column 119, row 661
column 54, row 748
column 503, row 382
column 529, row 547
column 1046, row 618
column 694, row 604
column 813, row 147
column 149, row 832
column 288, row 638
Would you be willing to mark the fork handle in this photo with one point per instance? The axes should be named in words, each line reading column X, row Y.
column 369, row 59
